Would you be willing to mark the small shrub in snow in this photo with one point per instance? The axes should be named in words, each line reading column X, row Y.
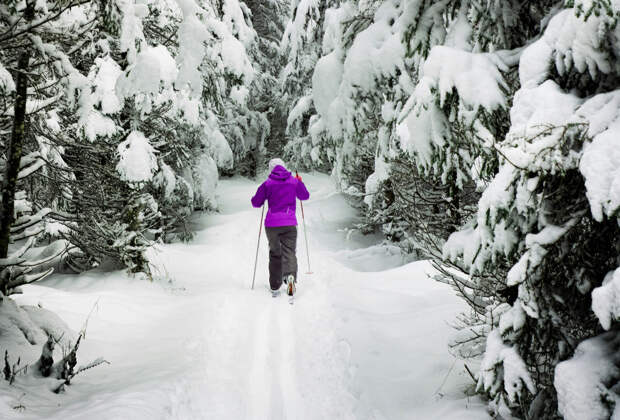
column 11, row 371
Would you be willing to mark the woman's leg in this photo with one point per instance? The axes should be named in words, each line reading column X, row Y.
column 275, row 258
column 288, row 242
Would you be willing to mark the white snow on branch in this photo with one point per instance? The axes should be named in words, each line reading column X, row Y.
column 325, row 84
column 153, row 67
column 600, row 166
column 6, row 80
column 137, row 161
column 104, row 82
column 192, row 35
column 582, row 381
column 234, row 19
column 515, row 373
column 302, row 106
column 131, row 27
column 424, row 128
column 217, row 144
column 476, row 77
column 239, row 94
column 606, row 299
column 570, row 42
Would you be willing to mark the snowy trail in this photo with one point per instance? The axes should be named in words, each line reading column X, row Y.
column 365, row 339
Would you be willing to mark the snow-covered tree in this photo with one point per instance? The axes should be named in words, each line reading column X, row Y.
column 268, row 19
column 549, row 215
column 478, row 123
column 34, row 76
column 136, row 108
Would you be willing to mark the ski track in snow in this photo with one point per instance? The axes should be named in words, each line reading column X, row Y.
column 356, row 344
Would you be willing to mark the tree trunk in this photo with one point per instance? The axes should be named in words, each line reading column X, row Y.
column 14, row 154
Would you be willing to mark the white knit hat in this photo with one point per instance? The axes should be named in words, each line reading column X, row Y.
column 275, row 162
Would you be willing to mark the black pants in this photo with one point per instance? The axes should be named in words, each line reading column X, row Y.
column 282, row 258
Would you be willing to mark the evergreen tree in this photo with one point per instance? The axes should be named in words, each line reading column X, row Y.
column 540, row 217
column 133, row 122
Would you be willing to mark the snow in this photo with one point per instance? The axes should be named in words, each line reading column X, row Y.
column 600, row 166
column 364, row 340
column 535, row 251
column 206, row 178
column 570, row 41
column 535, row 109
column 235, row 20
column 513, row 319
column 376, row 52
column 535, row 63
column 459, row 32
column 153, row 67
column 582, row 382
column 294, row 28
column 576, row 43
column 332, row 38
column 239, row 94
column 6, row 80
column 104, row 85
column 475, row 77
column 192, row 37
column 216, row 142
column 302, row 106
column 515, row 373
column 95, row 124
column 606, row 299
column 423, row 129
column 342, row 74
column 325, row 82
column 235, row 59
column 137, row 161
column 380, row 174
column 166, row 178
column 131, row 27
column 190, row 106
column 478, row 244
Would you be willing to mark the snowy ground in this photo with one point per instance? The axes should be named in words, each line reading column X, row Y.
column 365, row 339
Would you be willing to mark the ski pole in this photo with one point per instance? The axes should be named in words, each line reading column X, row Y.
column 303, row 218
column 260, row 230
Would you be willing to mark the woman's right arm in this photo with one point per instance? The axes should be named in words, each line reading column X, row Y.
column 259, row 197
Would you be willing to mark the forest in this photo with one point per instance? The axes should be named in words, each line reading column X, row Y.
column 480, row 135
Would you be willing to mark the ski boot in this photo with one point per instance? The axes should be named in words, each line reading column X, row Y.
column 290, row 284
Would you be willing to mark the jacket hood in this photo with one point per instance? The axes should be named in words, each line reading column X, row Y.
column 279, row 173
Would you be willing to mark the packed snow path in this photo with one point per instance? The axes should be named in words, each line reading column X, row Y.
column 366, row 338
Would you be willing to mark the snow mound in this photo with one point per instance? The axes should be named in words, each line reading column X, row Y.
column 22, row 327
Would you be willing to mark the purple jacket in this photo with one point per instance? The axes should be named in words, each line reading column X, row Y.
column 281, row 191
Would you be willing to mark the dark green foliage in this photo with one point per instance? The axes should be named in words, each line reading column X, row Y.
column 562, row 284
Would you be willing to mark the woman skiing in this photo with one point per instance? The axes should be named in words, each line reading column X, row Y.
column 281, row 191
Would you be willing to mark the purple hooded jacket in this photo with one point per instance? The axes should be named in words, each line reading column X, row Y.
column 281, row 191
